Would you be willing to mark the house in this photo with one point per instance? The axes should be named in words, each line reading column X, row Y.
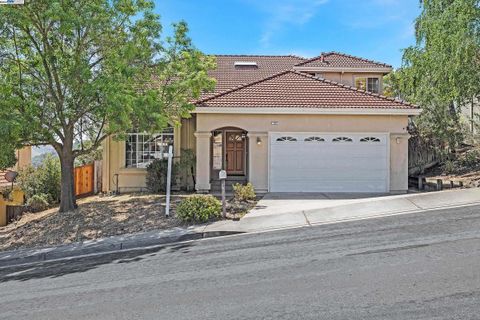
column 285, row 124
column 16, row 198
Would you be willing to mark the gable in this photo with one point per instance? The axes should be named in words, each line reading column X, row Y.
column 341, row 61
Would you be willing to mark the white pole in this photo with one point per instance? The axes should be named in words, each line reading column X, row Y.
column 169, row 180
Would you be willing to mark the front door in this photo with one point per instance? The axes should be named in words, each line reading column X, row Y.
column 235, row 153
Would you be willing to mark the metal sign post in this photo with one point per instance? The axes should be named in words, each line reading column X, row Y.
column 169, row 180
column 222, row 175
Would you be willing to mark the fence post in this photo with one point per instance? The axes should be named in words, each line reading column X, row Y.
column 439, row 184
column 169, row 181
column 222, row 175
column 420, row 183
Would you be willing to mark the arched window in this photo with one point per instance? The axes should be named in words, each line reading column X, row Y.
column 342, row 139
column 314, row 139
column 287, row 139
column 370, row 139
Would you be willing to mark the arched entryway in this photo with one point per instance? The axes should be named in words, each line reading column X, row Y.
column 229, row 151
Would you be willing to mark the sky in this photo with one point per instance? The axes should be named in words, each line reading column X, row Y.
column 374, row 29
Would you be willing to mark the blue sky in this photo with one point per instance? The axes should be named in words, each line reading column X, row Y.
column 375, row 29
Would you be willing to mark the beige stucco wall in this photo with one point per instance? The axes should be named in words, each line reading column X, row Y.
column 24, row 157
column 348, row 78
column 260, row 125
column 133, row 179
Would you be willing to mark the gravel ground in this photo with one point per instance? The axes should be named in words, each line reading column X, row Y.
column 96, row 217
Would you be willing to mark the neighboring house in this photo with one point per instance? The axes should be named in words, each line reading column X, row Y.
column 24, row 158
column 285, row 124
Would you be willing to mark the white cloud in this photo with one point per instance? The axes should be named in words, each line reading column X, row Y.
column 283, row 13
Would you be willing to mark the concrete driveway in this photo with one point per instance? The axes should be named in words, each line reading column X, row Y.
column 282, row 202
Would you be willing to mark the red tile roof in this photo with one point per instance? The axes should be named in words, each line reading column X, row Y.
column 298, row 90
column 229, row 76
column 341, row 60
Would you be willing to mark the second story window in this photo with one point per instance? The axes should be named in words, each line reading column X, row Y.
column 368, row 84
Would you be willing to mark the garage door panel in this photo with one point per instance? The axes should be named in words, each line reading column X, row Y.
column 328, row 166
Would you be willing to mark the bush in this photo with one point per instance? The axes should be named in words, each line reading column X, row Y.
column 44, row 180
column 449, row 166
column 244, row 192
column 157, row 175
column 38, row 202
column 199, row 208
column 472, row 158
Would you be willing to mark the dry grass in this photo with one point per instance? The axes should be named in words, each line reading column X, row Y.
column 465, row 168
column 95, row 217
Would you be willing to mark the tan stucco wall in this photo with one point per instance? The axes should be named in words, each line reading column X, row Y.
column 24, row 157
column 133, row 179
column 348, row 78
column 260, row 125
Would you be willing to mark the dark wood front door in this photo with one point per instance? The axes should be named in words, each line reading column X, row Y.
column 235, row 153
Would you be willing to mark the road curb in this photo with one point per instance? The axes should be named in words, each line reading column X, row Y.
column 105, row 245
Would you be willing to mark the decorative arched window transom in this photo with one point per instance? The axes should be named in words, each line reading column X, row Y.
column 290, row 139
column 314, row 139
column 342, row 139
column 370, row 139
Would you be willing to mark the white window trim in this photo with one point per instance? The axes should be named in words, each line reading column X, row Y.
column 157, row 154
column 366, row 77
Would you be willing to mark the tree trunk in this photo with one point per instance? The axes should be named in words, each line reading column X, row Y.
column 67, row 193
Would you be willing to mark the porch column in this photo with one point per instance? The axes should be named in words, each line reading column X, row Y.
column 258, row 160
column 203, row 162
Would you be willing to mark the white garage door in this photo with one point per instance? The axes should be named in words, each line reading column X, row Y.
column 316, row 162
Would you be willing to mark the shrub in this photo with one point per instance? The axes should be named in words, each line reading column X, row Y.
column 449, row 166
column 157, row 175
column 199, row 208
column 38, row 202
column 186, row 168
column 44, row 180
column 244, row 192
column 472, row 158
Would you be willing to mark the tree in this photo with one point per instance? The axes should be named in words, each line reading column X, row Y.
column 74, row 71
column 442, row 71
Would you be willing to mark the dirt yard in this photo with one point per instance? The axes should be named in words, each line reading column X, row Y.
column 96, row 217
column 465, row 168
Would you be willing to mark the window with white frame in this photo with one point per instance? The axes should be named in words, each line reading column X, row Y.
column 285, row 139
column 370, row 139
column 342, row 139
column 142, row 148
column 368, row 84
column 314, row 139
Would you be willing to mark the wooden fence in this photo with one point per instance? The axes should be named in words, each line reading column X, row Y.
column 84, row 180
column 421, row 155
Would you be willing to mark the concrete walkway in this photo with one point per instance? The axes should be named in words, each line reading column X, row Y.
column 278, row 211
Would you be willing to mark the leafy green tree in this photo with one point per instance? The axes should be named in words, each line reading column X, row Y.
column 442, row 71
column 74, row 71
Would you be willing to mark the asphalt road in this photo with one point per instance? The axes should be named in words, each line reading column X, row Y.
column 416, row 266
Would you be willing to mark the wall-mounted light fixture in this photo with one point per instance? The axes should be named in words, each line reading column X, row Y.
column 274, row 123
column 259, row 141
